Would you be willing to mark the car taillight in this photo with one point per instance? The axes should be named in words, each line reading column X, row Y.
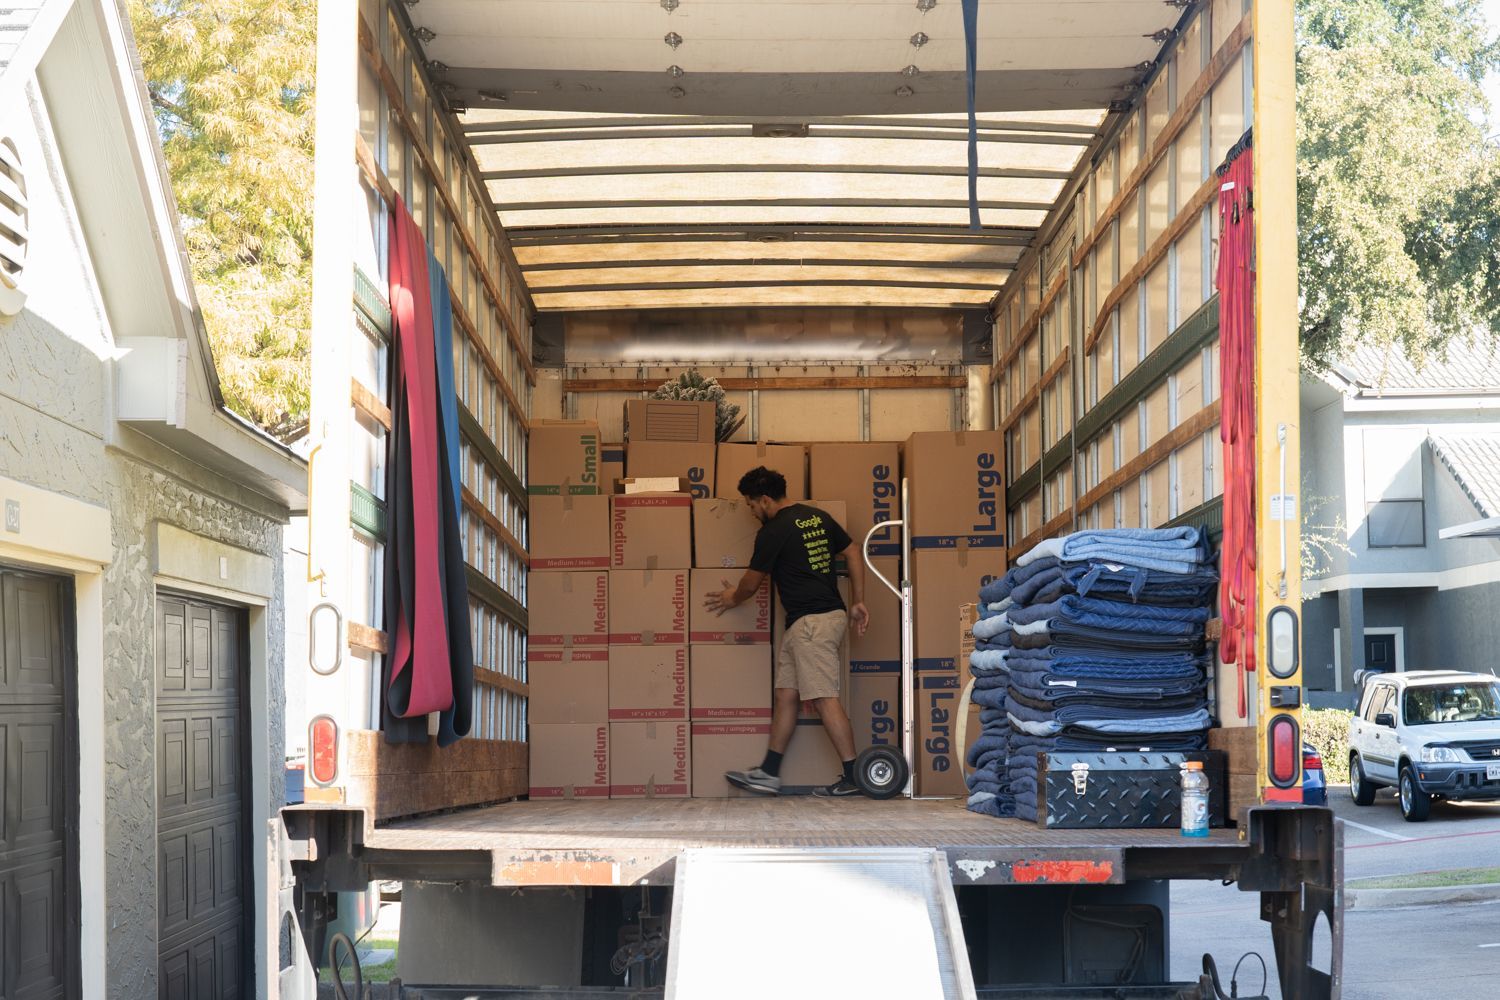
column 323, row 749
column 1312, row 762
column 1282, row 735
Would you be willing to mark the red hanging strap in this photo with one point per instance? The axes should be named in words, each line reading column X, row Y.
column 1235, row 281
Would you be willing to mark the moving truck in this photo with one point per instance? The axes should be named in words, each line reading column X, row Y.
column 777, row 195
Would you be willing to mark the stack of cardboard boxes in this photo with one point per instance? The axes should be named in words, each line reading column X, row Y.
column 637, row 690
column 958, row 545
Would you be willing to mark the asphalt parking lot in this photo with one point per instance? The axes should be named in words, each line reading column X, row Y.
column 1427, row 952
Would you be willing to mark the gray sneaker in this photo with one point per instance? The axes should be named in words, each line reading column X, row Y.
column 754, row 780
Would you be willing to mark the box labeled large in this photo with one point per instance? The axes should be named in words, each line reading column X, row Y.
column 693, row 461
column 731, row 683
column 568, row 684
column 569, row 761
column 726, row 746
column 723, row 534
column 648, row 682
column 866, row 476
column 569, row 532
column 957, row 489
column 611, row 465
column 651, row 531
column 562, row 458
column 670, row 420
column 942, row 581
column 648, row 607
column 879, row 649
column 650, row 760
column 938, row 766
column 875, row 709
column 748, row 623
column 567, row 608
column 737, row 459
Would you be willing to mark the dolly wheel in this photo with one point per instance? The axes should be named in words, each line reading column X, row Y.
column 881, row 772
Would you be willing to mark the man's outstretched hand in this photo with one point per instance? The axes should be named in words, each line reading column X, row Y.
column 859, row 618
column 720, row 601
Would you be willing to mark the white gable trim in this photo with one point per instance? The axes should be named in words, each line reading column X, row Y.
column 34, row 41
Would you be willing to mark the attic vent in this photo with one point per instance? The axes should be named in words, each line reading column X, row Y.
column 14, row 217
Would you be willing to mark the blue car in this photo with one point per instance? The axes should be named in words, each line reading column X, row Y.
column 1314, row 788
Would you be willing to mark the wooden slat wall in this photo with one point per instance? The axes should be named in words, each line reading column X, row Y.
column 1057, row 323
column 409, row 779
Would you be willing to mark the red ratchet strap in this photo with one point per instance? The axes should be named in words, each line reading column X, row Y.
column 420, row 632
column 1236, row 285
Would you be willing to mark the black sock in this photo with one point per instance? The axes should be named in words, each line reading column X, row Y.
column 772, row 764
column 849, row 771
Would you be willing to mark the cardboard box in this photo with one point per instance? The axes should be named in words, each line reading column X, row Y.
column 568, row 685
column 723, row 534
column 875, row 709
column 569, row 532
column 673, row 459
column 810, row 761
column 569, row 761
column 611, row 465
column 648, row 682
column 648, row 607
column 866, row 477
column 726, row 746
column 879, row 649
column 944, row 580
column 562, row 458
column 650, row 760
column 957, row 489
column 670, row 420
column 939, row 767
column 651, row 531
column 731, row 683
column 567, row 608
column 734, row 460
column 748, row 623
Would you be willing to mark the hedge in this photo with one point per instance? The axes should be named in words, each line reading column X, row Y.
column 1327, row 729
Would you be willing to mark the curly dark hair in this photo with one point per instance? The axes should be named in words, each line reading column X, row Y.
column 763, row 482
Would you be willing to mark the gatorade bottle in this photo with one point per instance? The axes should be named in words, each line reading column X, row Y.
column 1194, row 800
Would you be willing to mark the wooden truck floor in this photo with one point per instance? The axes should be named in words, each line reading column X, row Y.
column 635, row 841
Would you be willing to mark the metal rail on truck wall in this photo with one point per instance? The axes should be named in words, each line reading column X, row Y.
column 903, row 593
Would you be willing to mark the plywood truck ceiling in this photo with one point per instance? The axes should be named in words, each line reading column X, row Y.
column 756, row 152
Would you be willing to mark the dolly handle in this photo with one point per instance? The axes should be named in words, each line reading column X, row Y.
column 865, row 551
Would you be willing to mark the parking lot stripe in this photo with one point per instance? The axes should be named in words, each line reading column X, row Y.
column 1377, row 831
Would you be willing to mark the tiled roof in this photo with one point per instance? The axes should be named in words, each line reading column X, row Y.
column 1474, row 367
column 1474, row 460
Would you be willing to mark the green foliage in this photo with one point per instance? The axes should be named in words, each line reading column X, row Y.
column 1327, row 729
column 231, row 85
column 1398, row 191
column 692, row 386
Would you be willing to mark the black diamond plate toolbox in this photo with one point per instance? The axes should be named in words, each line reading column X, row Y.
column 1123, row 791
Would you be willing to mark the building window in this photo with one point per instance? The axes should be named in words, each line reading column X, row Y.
column 1396, row 524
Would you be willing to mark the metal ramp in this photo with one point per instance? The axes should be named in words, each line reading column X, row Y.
column 872, row 923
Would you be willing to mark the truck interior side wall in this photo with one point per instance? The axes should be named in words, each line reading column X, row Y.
column 1106, row 338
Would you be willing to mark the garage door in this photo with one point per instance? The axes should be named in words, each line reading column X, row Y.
column 38, row 868
column 201, row 856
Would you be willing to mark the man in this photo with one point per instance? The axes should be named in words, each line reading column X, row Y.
column 796, row 546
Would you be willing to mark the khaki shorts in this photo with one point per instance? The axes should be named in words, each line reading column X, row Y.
column 811, row 657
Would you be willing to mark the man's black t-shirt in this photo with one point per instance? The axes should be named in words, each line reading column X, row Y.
column 797, row 547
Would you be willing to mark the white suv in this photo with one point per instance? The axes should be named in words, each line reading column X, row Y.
column 1428, row 733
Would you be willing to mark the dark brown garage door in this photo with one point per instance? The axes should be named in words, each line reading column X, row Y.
column 201, row 798
column 38, row 863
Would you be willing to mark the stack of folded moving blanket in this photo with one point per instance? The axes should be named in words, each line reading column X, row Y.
column 1091, row 641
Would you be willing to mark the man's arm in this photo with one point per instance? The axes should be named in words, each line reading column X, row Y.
column 859, row 615
column 732, row 597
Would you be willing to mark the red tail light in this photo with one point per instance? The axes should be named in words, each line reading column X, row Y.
column 1312, row 762
column 1282, row 735
column 323, row 750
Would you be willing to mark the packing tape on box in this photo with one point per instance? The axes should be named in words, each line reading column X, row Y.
column 653, row 562
column 567, row 582
column 566, row 488
column 760, row 449
column 648, row 639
